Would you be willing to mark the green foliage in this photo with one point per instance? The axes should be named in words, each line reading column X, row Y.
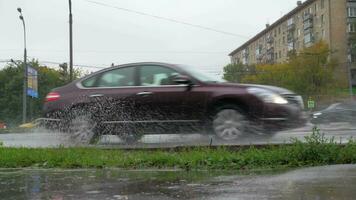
column 11, row 90
column 308, row 72
column 316, row 150
column 236, row 72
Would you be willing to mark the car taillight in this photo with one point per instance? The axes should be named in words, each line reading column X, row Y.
column 52, row 96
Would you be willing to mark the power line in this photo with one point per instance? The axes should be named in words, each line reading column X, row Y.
column 127, row 52
column 168, row 19
column 76, row 65
column 210, row 69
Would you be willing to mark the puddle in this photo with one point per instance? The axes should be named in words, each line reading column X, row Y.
column 331, row 182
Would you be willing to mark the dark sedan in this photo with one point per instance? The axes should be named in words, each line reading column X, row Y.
column 337, row 112
column 134, row 99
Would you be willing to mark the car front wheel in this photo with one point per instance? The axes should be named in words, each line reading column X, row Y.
column 229, row 123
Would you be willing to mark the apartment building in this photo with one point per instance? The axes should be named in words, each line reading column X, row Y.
column 333, row 21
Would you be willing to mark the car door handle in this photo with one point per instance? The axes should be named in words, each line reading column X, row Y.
column 96, row 95
column 144, row 93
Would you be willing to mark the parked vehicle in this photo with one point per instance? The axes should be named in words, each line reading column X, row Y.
column 2, row 125
column 337, row 112
column 134, row 99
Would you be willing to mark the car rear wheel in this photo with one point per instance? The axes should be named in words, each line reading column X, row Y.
column 130, row 134
column 229, row 123
column 82, row 128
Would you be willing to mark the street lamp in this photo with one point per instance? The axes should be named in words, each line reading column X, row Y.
column 70, row 41
column 24, row 97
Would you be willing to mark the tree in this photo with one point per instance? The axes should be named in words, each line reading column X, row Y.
column 236, row 72
column 11, row 88
column 310, row 72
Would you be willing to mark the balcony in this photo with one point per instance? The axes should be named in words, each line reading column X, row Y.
column 269, row 39
column 290, row 38
column 291, row 27
column 308, row 17
column 245, row 55
column 270, row 56
column 308, row 25
column 270, row 49
column 259, row 56
column 291, row 46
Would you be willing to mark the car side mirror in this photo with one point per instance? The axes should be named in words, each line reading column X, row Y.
column 182, row 80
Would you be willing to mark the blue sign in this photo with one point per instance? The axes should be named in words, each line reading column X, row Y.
column 32, row 83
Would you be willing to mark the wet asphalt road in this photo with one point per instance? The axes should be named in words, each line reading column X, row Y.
column 329, row 182
column 42, row 138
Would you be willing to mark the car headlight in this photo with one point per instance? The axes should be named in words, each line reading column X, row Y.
column 267, row 96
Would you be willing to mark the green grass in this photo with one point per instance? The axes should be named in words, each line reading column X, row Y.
column 314, row 152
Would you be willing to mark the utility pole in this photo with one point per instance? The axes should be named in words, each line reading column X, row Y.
column 70, row 42
column 24, row 94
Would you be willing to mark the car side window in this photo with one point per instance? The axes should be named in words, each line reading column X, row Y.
column 157, row 75
column 114, row 78
column 90, row 82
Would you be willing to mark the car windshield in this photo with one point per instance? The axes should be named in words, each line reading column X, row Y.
column 202, row 76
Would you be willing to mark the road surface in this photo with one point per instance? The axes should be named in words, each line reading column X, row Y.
column 42, row 138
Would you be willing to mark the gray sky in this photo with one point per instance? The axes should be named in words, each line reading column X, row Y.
column 103, row 35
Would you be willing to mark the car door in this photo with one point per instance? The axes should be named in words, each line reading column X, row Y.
column 160, row 98
column 112, row 94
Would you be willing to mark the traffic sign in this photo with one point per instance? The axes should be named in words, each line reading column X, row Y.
column 32, row 82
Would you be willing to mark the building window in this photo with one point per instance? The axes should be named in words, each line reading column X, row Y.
column 298, row 31
column 290, row 22
column 308, row 38
column 316, row 36
column 351, row 11
column 323, row 33
column 290, row 46
column 322, row 20
column 352, row 58
column 322, row 4
column 280, row 54
column 316, row 8
column 352, row 28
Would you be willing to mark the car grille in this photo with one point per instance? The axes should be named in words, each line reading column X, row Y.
column 294, row 99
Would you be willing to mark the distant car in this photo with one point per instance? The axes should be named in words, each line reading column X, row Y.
column 2, row 125
column 134, row 99
column 337, row 112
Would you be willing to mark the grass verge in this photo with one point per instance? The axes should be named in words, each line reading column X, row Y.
column 317, row 150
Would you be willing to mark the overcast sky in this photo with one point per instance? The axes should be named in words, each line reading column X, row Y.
column 105, row 35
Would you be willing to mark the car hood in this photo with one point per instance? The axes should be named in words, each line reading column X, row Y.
column 275, row 89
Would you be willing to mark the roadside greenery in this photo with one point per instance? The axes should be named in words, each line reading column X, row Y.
column 11, row 89
column 310, row 73
column 317, row 150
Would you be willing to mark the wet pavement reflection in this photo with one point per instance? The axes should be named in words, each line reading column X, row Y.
column 329, row 182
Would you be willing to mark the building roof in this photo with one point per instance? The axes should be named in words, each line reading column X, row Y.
column 275, row 24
